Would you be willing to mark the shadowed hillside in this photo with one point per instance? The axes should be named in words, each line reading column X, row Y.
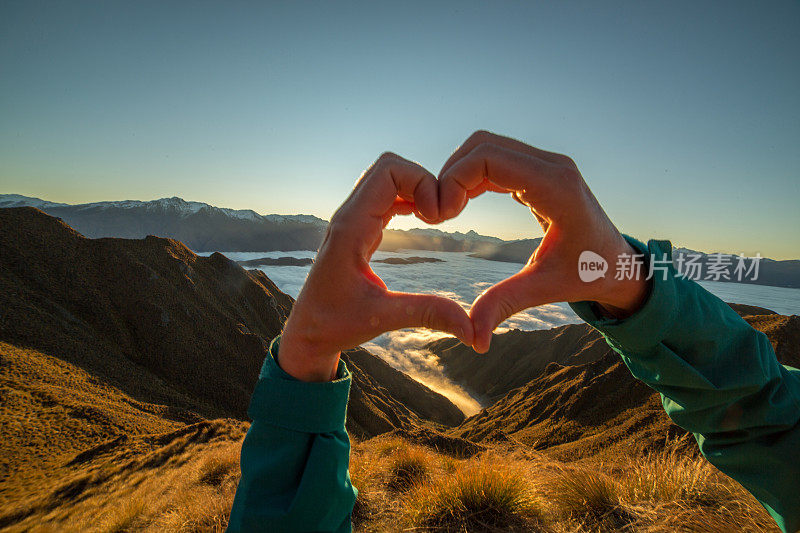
column 148, row 315
column 165, row 325
column 516, row 357
column 114, row 355
column 576, row 397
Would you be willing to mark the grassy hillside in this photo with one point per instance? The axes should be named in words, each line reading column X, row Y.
column 167, row 326
column 127, row 365
column 565, row 391
column 405, row 486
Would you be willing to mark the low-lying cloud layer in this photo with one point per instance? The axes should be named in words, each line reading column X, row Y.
column 459, row 277
column 462, row 278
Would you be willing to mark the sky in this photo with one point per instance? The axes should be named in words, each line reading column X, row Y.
column 683, row 117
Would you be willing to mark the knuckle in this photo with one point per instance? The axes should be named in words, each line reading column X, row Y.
column 387, row 157
column 565, row 160
column 481, row 136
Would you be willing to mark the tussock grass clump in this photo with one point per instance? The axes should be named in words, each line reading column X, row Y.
column 218, row 466
column 487, row 496
column 409, row 467
column 671, row 477
column 386, row 446
column 123, row 517
column 672, row 491
column 197, row 510
column 588, row 497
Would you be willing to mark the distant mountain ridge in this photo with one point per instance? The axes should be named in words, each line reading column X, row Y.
column 176, row 204
column 784, row 273
column 206, row 228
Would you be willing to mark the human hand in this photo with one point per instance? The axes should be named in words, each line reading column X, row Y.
column 554, row 190
column 343, row 303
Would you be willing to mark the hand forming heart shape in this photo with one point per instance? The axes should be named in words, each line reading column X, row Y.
column 344, row 303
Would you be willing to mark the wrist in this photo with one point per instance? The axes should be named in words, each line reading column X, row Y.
column 626, row 298
column 623, row 297
column 305, row 360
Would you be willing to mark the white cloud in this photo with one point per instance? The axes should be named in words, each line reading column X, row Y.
column 459, row 278
column 462, row 278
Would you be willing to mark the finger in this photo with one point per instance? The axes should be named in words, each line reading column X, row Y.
column 504, row 168
column 485, row 186
column 392, row 185
column 406, row 310
column 482, row 137
column 399, row 207
column 499, row 302
column 390, row 177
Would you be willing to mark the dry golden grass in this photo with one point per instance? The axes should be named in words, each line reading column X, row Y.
column 507, row 490
column 195, row 497
column 181, row 481
column 480, row 496
column 408, row 487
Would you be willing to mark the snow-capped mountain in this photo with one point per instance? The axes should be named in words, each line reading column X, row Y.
column 200, row 226
column 17, row 200
column 174, row 204
column 205, row 228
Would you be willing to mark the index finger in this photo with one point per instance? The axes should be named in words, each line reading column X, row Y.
column 505, row 168
column 486, row 137
column 390, row 178
column 392, row 185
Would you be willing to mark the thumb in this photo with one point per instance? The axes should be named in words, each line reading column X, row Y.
column 497, row 303
column 407, row 310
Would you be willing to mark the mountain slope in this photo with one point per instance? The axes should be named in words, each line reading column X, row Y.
column 114, row 355
column 585, row 401
column 165, row 325
column 52, row 412
column 148, row 315
column 510, row 252
column 516, row 357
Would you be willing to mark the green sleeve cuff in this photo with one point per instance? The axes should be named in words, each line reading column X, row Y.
column 650, row 324
column 284, row 401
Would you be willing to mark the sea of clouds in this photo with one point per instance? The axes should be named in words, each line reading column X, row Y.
column 462, row 278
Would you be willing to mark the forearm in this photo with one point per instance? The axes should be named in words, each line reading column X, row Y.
column 719, row 378
column 295, row 456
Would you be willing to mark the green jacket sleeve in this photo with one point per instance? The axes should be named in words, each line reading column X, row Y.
column 719, row 379
column 295, row 456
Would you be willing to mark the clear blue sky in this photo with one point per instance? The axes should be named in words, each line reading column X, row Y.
column 683, row 117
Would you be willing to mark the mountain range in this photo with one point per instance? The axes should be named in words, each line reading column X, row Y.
column 205, row 228
column 785, row 273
